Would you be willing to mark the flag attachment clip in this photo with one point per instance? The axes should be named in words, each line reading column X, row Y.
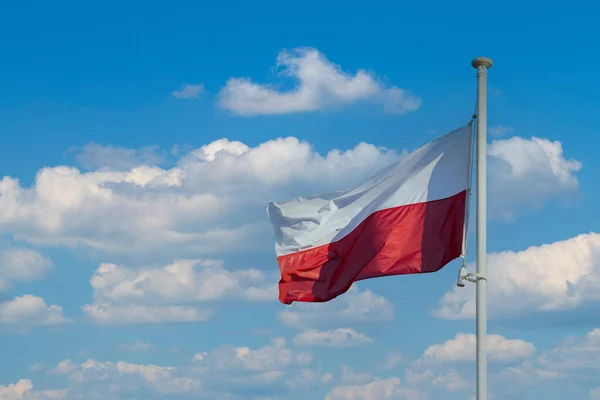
column 464, row 275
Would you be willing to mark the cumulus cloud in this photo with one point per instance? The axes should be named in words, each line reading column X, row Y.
column 574, row 357
column 350, row 376
column 574, row 353
column 450, row 381
column 275, row 370
column 527, row 172
column 272, row 357
column 515, row 364
column 189, row 92
column 318, row 84
column 28, row 310
column 227, row 372
column 429, row 378
column 377, row 389
column 212, row 199
column 442, row 367
column 558, row 276
column 92, row 376
column 341, row 337
column 21, row 265
column 526, row 373
column 181, row 281
column 130, row 314
column 421, row 381
column 62, row 368
column 23, row 390
column 353, row 307
column 462, row 348
column 149, row 294
column 307, row 379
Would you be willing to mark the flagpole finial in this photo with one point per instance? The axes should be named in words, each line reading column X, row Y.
column 481, row 61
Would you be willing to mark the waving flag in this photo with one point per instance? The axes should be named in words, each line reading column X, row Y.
column 409, row 218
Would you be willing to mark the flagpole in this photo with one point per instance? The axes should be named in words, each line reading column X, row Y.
column 481, row 64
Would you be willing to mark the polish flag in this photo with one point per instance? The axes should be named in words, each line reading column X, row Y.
column 407, row 219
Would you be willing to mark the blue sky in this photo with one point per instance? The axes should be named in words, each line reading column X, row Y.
column 142, row 140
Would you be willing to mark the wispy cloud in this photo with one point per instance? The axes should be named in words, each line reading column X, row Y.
column 341, row 337
column 94, row 155
column 137, row 346
column 189, row 92
column 500, row 130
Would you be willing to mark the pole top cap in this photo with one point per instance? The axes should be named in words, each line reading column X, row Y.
column 481, row 61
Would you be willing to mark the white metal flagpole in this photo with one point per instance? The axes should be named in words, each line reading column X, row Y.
column 481, row 64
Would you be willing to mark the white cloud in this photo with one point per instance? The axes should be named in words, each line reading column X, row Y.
column 21, row 265
column 431, row 373
column 462, row 348
column 153, row 294
column 392, row 360
column 349, row 376
column 110, row 157
column 130, row 314
column 378, row 389
column 575, row 356
column 340, row 337
column 527, row 172
column 189, row 92
column 273, row 357
column 354, row 306
column 227, row 372
column 23, row 390
column 558, row 276
column 434, row 379
column 274, row 371
column 527, row 373
column 318, row 84
column 307, row 378
column 574, row 353
column 421, row 380
column 63, row 368
column 212, row 200
column 500, row 130
column 181, row 281
column 93, row 374
column 450, row 381
column 282, row 161
column 595, row 394
column 28, row 310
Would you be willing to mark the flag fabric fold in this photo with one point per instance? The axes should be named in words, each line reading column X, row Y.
column 409, row 218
